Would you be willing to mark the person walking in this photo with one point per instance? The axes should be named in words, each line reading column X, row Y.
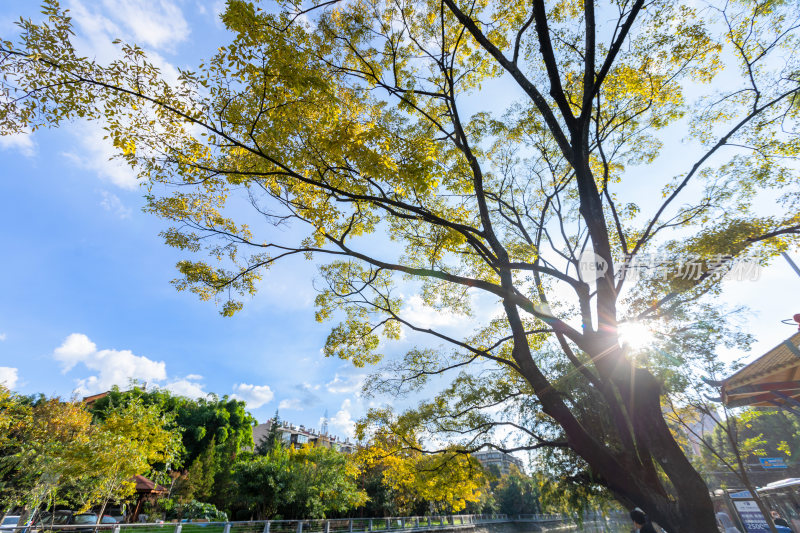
column 641, row 523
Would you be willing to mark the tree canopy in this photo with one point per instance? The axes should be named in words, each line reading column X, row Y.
column 223, row 423
column 310, row 482
column 509, row 157
column 445, row 482
column 52, row 453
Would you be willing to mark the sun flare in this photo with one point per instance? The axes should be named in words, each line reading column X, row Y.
column 635, row 335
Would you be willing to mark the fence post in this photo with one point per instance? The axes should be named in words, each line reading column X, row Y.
column 429, row 522
column 178, row 527
column 416, row 522
column 370, row 525
column 266, row 527
column 299, row 526
column 116, row 528
column 327, row 526
column 350, row 529
column 227, row 528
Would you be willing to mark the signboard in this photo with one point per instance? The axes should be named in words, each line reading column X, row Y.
column 741, row 494
column 750, row 515
column 772, row 463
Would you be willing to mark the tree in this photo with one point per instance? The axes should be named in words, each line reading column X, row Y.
column 127, row 442
column 447, row 480
column 197, row 483
column 272, row 438
column 324, row 482
column 265, row 483
column 311, row 482
column 518, row 494
column 728, row 440
column 382, row 500
column 356, row 119
column 42, row 446
column 201, row 421
column 52, row 452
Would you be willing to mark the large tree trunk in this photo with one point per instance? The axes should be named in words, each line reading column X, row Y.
column 644, row 451
column 686, row 506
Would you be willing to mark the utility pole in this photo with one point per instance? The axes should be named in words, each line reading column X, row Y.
column 791, row 263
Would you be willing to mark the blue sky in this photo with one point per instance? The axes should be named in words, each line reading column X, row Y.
column 86, row 301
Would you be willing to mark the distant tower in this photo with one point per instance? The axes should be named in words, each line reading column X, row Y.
column 324, row 429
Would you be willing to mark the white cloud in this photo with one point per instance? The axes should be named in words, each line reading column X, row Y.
column 8, row 376
column 96, row 154
column 112, row 367
column 156, row 23
column 75, row 348
column 294, row 404
column 3, row 336
column 188, row 387
column 346, row 384
column 95, row 32
column 22, row 142
column 217, row 10
column 343, row 420
column 113, row 204
column 254, row 395
column 419, row 314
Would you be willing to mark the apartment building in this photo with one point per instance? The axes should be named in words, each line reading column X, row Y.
column 298, row 436
column 494, row 457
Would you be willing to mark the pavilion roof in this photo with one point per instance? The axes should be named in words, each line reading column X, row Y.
column 146, row 486
column 772, row 380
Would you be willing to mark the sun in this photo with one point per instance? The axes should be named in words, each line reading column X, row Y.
column 635, row 335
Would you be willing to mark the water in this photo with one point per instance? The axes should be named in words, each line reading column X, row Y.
column 589, row 527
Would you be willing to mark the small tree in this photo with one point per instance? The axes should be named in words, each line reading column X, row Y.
column 197, row 482
column 42, row 444
column 272, row 438
column 324, row 482
column 448, row 479
column 51, row 446
column 518, row 494
column 312, row 482
column 127, row 442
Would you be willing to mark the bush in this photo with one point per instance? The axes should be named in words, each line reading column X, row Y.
column 193, row 510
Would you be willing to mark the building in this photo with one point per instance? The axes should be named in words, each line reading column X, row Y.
column 503, row 461
column 88, row 401
column 771, row 381
column 298, row 436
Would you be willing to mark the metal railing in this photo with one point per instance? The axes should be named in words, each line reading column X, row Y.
column 334, row 525
column 540, row 518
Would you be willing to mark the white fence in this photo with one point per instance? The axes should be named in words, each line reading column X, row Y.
column 404, row 524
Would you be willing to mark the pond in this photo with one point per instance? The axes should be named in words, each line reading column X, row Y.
column 589, row 527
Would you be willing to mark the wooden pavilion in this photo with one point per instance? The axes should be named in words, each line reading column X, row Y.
column 146, row 490
column 772, row 380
